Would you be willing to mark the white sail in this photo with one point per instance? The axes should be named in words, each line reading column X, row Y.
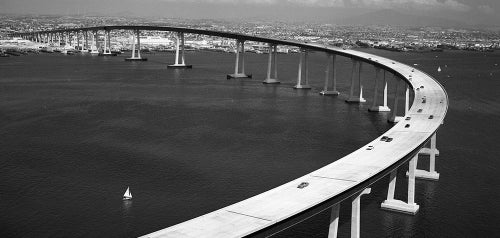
column 127, row 194
column 439, row 69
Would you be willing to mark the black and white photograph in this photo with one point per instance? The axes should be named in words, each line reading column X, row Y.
column 249, row 118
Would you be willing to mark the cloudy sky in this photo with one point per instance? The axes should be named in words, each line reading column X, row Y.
column 468, row 11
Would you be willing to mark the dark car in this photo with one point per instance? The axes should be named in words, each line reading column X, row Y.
column 303, row 185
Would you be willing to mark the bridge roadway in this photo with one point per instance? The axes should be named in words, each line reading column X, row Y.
column 339, row 179
column 231, row 35
column 286, row 205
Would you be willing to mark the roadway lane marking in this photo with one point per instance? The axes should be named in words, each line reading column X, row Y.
column 249, row 216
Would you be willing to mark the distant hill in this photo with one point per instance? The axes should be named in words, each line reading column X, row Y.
column 395, row 18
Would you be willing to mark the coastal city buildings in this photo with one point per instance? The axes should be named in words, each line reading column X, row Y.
column 384, row 37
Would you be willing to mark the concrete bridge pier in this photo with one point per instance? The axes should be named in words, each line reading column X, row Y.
column 180, row 52
column 392, row 204
column 407, row 99
column 352, row 98
column 355, row 216
column 78, row 40
column 237, row 74
column 431, row 174
column 68, row 39
column 65, row 39
column 331, row 61
column 334, row 221
column 303, row 57
column 138, row 56
column 106, row 51
column 394, row 117
column 271, row 63
column 59, row 36
column 432, row 148
column 86, row 44
column 93, row 47
column 375, row 107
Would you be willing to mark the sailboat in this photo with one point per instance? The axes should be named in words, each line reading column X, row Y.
column 439, row 69
column 127, row 195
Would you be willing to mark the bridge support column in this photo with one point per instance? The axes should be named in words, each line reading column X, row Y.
column 355, row 213
column 394, row 117
column 331, row 61
column 107, row 44
column 78, row 40
column 375, row 107
column 68, row 40
column 392, row 204
column 432, row 148
column 237, row 74
column 352, row 98
column 303, row 57
column 334, row 221
column 86, row 44
column 138, row 56
column 355, row 216
column 407, row 99
column 59, row 39
column 431, row 174
column 180, row 51
column 93, row 47
column 271, row 63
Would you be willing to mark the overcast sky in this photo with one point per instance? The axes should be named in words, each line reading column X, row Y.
column 469, row 11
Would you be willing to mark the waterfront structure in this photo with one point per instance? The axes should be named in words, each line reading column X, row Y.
column 180, row 47
column 346, row 179
column 331, row 61
column 136, row 57
column 239, row 71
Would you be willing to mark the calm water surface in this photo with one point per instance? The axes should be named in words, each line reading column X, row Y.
column 77, row 130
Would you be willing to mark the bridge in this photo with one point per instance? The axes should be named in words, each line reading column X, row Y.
column 345, row 180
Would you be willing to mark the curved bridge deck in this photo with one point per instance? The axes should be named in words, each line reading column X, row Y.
column 329, row 184
column 346, row 174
